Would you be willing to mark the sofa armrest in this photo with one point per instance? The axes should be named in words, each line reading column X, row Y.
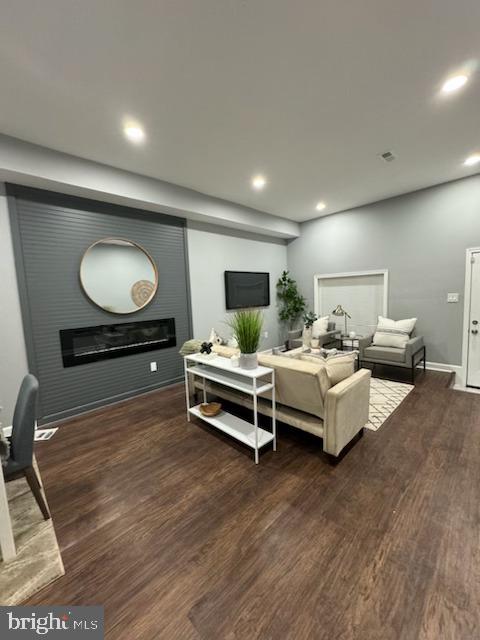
column 346, row 411
column 413, row 346
column 363, row 343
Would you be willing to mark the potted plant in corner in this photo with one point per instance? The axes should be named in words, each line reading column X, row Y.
column 247, row 328
column 292, row 303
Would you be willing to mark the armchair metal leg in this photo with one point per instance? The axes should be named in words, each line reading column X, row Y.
column 34, row 484
column 415, row 364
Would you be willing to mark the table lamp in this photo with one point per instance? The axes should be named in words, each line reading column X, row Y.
column 339, row 311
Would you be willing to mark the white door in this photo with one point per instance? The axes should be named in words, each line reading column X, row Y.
column 473, row 367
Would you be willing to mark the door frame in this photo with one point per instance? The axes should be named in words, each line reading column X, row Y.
column 466, row 312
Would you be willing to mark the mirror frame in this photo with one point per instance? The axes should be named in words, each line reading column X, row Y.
column 139, row 246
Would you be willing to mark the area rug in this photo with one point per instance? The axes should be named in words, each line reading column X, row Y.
column 385, row 396
column 38, row 560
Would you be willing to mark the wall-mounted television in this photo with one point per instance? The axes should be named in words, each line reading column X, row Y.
column 245, row 289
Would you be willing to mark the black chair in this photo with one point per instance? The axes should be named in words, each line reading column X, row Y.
column 20, row 462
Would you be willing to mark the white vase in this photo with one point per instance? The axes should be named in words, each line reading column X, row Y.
column 307, row 337
column 248, row 360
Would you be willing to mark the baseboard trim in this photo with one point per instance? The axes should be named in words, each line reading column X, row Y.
column 441, row 366
column 457, row 369
column 460, row 387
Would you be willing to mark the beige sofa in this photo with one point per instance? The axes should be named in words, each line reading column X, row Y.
column 330, row 401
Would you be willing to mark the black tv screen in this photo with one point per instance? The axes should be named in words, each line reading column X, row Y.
column 245, row 289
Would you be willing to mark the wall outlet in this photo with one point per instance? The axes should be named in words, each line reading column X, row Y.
column 153, row 367
column 452, row 297
column 265, row 334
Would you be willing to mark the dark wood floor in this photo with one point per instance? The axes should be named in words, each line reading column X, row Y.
column 179, row 535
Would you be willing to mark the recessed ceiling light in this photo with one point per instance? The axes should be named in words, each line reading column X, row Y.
column 471, row 160
column 320, row 206
column 134, row 132
column 258, row 182
column 454, row 83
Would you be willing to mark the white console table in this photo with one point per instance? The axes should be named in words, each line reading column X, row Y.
column 252, row 382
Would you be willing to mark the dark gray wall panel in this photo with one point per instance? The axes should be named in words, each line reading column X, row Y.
column 53, row 232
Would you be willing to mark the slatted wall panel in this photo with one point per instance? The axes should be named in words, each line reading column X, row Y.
column 53, row 231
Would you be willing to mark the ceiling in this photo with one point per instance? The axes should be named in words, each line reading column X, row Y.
column 307, row 93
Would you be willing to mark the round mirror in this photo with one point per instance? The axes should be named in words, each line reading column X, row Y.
column 118, row 275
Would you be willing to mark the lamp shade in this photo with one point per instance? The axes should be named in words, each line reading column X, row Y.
column 340, row 311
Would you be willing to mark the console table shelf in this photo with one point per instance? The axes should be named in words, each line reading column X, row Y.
column 228, row 379
column 235, row 427
column 252, row 382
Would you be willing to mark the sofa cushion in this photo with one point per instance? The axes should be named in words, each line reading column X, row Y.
column 338, row 367
column 299, row 384
column 384, row 353
column 393, row 333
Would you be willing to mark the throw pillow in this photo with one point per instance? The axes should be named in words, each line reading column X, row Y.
column 391, row 333
column 320, row 326
column 338, row 367
column 189, row 347
column 226, row 352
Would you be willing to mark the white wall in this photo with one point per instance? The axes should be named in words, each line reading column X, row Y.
column 13, row 358
column 211, row 251
column 34, row 166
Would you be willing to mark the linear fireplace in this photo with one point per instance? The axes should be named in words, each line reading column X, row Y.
column 89, row 344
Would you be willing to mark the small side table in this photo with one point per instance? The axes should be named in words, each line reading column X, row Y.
column 349, row 344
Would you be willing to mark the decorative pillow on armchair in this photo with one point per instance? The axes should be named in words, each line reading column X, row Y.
column 320, row 326
column 391, row 333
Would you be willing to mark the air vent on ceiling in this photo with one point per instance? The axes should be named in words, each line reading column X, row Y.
column 387, row 156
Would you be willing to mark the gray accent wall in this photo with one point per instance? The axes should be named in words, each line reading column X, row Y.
column 214, row 250
column 420, row 238
column 51, row 233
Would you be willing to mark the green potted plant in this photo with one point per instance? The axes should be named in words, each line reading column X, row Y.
column 292, row 303
column 247, row 328
column 309, row 318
